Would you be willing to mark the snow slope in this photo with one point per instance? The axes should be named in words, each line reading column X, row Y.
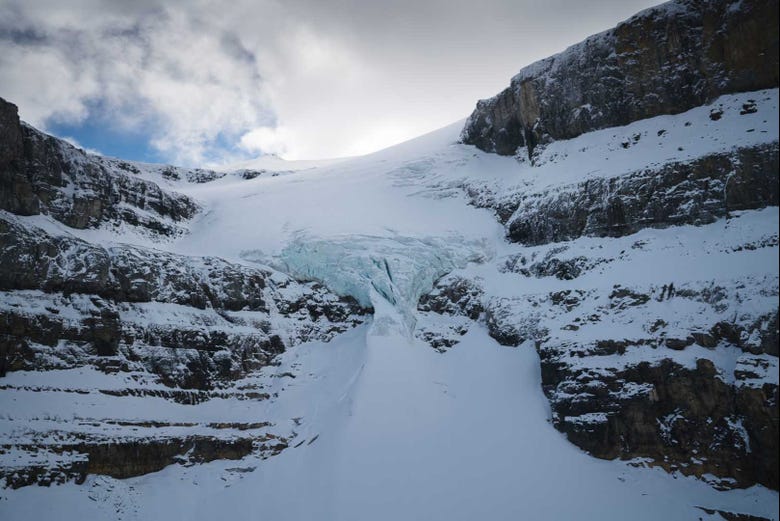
column 393, row 430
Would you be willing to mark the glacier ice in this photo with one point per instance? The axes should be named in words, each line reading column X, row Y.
column 378, row 271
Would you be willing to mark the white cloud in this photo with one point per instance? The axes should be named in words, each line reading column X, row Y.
column 302, row 78
column 268, row 140
column 161, row 71
column 73, row 141
column 44, row 84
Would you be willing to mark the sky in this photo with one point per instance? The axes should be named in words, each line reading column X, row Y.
column 204, row 82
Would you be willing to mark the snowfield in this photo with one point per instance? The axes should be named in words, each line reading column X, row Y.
column 382, row 425
column 392, row 429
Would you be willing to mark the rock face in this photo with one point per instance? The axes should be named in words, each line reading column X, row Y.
column 629, row 371
column 695, row 192
column 192, row 321
column 11, row 145
column 689, row 415
column 128, row 458
column 664, row 60
column 678, row 372
column 168, row 328
column 41, row 174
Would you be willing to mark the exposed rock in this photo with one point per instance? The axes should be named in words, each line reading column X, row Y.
column 733, row 516
column 697, row 419
column 453, row 295
column 127, row 459
column 686, row 420
column 664, row 60
column 564, row 270
column 16, row 192
column 457, row 302
column 61, row 289
column 695, row 192
column 135, row 457
column 42, row 174
column 11, row 145
column 165, row 172
column 510, row 329
column 552, row 264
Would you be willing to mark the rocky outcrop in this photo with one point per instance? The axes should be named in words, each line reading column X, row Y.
column 630, row 398
column 634, row 371
column 454, row 295
column 125, row 458
column 41, row 174
column 16, row 190
column 665, row 60
column 684, row 419
column 11, row 145
column 165, row 173
column 194, row 321
column 456, row 298
column 694, row 192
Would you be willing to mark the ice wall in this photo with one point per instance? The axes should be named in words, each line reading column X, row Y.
column 388, row 273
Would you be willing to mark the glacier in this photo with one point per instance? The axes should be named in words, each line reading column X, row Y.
column 381, row 270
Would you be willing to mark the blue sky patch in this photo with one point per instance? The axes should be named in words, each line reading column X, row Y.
column 122, row 143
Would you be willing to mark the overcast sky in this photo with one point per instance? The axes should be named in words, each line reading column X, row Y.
column 202, row 82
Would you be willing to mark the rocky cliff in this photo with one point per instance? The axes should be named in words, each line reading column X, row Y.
column 665, row 60
column 628, row 149
column 182, row 328
column 42, row 175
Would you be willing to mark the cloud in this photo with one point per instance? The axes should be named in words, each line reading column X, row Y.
column 73, row 141
column 211, row 81
column 166, row 72
column 268, row 140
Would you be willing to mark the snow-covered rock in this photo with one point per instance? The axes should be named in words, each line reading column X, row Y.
column 191, row 320
column 631, row 330
column 664, row 60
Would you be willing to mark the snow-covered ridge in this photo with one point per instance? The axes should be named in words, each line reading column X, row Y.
column 272, row 162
